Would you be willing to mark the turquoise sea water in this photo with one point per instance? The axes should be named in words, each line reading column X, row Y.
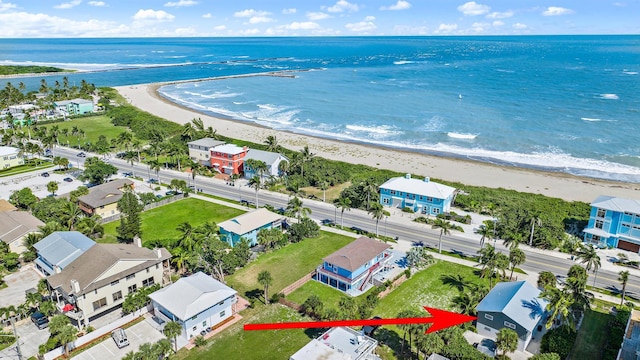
column 563, row 103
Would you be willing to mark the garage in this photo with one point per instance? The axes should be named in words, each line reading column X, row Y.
column 626, row 245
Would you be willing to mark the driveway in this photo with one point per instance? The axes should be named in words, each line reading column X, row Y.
column 17, row 283
column 30, row 339
column 138, row 334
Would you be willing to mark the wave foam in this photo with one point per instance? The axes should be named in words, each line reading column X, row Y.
column 590, row 119
column 609, row 96
column 403, row 62
column 462, row 136
column 631, row 72
column 383, row 129
column 216, row 95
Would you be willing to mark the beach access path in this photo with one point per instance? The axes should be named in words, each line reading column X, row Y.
column 560, row 185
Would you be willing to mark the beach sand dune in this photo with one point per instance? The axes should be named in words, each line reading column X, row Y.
column 552, row 184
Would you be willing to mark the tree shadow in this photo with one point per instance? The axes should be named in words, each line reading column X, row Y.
column 455, row 281
column 255, row 294
column 314, row 333
column 391, row 339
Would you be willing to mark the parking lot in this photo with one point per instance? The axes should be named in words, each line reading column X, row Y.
column 37, row 183
column 30, row 339
column 138, row 334
column 17, row 283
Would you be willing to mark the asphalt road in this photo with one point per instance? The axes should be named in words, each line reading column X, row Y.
column 536, row 261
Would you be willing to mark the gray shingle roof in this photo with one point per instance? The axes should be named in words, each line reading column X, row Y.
column 206, row 142
column 105, row 194
column 357, row 253
column 250, row 221
column 617, row 204
column 518, row 300
column 16, row 224
column 62, row 247
column 419, row 187
column 267, row 157
column 190, row 296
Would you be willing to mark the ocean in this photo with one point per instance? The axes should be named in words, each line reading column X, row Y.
column 561, row 103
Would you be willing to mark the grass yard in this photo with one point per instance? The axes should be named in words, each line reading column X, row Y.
column 93, row 127
column 161, row 222
column 20, row 169
column 235, row 343
column 426, row 288
column 330, row 296
column 288, row 264
column 331, row 194
column 592, row 336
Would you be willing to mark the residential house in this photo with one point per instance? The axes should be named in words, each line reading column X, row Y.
column 59, row 249
column 99, row 279
column 16, row 225
column 515, row 305
column 351, row 268
column 422, row 196
column 630, row 349
column 198, row 302
column 339, row 343
column 200, row 150
column 614, row 222
column 271, row 159
column 248, row 225
column 10, row 157
column 228, row 158
column 74, row 106
column 103, row 199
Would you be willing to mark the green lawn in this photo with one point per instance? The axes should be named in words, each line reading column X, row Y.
column 20, row 169
column 93, row 127
column 592, row 336
column 235, row 343
column 161, row 222
column 426, row 288
column 330, row 296
column 288, row 264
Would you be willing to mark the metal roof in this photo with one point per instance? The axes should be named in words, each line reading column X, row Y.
column 518, row 300
column 419, row 187
column 230, row 149
column 206, row 142
column 8, row 150
column 617, row 204
column 62, row 247
column 357, row 253
column 267, row 157
column 250, row 221
column 192, row 295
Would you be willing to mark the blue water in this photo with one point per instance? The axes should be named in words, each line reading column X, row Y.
column 562, row 103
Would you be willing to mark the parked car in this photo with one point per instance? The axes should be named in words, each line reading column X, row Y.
column 153, row 181
column 120, row 337
column 127, row 174
column 68, row 179
column 45, row 174
column 171, row 192
column 81, row 154
column 40, row 320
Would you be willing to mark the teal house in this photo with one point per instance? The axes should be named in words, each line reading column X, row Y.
column 614, row 222
column 74, row 107
column 248, row 226
column 422, row 196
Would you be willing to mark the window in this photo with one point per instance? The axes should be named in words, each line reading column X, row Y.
column 429, row 199
column 204, row 324
column 129, row 277
column 222, row 313
column 599, row 224
column 148, row 282
column 148, row 270
column 393, row 192
column 436, row 211
column 510, row 325
column 194, row 328
column 157, row 266
column 100, row 303
column 601, row 213
column 385, row 201
column 115, row 282
column 488, row 317
column 117, row 296
column 133, row 288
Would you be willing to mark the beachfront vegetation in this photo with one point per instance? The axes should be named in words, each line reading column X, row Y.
column 29, row 69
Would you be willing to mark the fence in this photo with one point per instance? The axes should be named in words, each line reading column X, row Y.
column 290, row 304
column 153, row 205
column 394, row 285
column 85, row 339
column 293, row 287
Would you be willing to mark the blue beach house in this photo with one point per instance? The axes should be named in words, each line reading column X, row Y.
column 614, row 222
column 352, row 268
column 248, row 226
column 422, row 196
column 59, row 249
column 271, row 159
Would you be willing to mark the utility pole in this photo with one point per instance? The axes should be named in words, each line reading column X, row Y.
column 15, row 334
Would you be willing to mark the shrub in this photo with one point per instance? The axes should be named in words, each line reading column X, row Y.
column 407, row 209
column 200, row 341
column 559, row 341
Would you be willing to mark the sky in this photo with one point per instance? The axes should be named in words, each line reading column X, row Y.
column 176, row 18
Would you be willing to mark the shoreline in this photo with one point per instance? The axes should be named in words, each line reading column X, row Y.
column 465, row 171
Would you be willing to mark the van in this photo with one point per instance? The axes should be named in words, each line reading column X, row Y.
column 120, row 337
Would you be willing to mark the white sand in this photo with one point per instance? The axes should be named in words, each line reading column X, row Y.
column 552, row 184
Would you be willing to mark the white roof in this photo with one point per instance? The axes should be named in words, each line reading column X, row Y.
column 267, row 157
column 419, row 187
column 206, row 142
column 229, row 149
column 338, row 343
column 8, row 150
column 597, row 232
column 192, row 295
column 617, row 204
column 247, row 222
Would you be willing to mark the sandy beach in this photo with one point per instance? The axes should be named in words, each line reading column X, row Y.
column 568, row 187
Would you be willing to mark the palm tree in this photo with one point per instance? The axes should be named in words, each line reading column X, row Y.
column 130, row 157
column 136, row 145
column 378, row 213
column 516, row 257
column 188, row 132
column 171, row 330
column 559, row 305
column 324, row 185
column 91, row 226
column 507, row 340
column 305, row 157
column 155, row 165
column 535, row 220
column 265, row 279
column 445, row 228
column 407, row 329
column 255, row 183
column 272, row 143
column 343, row 203
column 196, row 169
column 73, row 212
column 295, row 206
column 66, row 336
column 429, row 343
column 370, row 188
column 486, row 232
column 624, row 277
column 30, row 240
column 587, row 255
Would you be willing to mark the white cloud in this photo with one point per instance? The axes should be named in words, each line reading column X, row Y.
column 480, row 27
column 207, row 16
column 343, row 5
column 260, row 19
column 220, row 28
column 97, row 3
column 289, row 11
column 249, row 32
column 23, row 24
column 246, row 13
column 68, row 5
column 519, row 26
column 400, row 5
column 369, row 18
column 304, row 25
column 556, row 11
column 498, row 23
column 619, row 4
column 500, row 15
column 315, row 16
column 181, row 3
column 151, row 14
column 362, row 26
column 472, row 8
column 6, row 6
column 446, row 28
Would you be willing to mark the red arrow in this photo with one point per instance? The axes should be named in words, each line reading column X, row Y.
column 440, row 319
